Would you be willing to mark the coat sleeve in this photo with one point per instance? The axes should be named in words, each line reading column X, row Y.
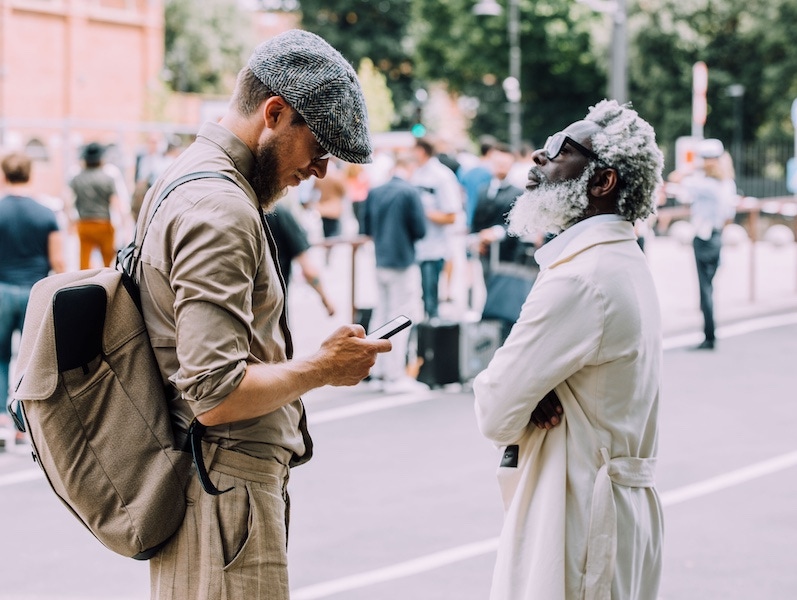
column 558, row 332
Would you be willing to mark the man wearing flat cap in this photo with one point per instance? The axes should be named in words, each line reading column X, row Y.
column 214, row 304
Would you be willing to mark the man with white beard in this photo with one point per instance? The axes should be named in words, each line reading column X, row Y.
column 572, row 396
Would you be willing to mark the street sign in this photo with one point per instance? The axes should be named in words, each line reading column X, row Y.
column 686, row 153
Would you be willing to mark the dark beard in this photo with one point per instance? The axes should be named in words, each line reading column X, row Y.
column 264, row 180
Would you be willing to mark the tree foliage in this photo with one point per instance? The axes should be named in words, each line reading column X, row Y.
column 205, row 44
column 414, row 44
column 744, row 42
column 378, row 98
column 560, row 74
column 369, row 29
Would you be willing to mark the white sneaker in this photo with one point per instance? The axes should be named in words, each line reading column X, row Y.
column 404, row 385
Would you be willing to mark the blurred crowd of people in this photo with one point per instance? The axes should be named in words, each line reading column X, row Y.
column 449, row 224
column 99, row 207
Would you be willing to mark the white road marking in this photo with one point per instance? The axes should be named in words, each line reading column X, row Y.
column 21, row 477
column 368, row 406
column 459, row 553
column 737, row 477
column 734, row 329
column 446, row 557
column 464, row 552
column 405, row 569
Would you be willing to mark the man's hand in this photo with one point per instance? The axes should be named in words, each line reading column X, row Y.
column 546, row 414
column 347, row 357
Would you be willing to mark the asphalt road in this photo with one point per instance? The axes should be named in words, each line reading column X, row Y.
column 400, row 500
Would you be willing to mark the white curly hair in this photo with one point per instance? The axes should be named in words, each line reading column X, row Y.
column 627, row 143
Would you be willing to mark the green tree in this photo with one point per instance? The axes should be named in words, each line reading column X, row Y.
column 369, row 29
column 377, row 96
column 205, row 44
column 745, row 42
column 560, row 74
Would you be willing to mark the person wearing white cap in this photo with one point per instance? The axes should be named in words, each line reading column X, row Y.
column 214, row 305
column 710, row 192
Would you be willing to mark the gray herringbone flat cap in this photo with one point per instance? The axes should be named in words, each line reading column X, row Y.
column 322, row 86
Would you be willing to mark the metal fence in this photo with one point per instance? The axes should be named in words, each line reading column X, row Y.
column 760, row 168
column 761, row 172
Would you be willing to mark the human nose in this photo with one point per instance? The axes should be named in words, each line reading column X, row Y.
column 319, row 168
column 539, row 157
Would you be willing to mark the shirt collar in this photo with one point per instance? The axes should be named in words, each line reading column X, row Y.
column 546, row 255
column 232, row 145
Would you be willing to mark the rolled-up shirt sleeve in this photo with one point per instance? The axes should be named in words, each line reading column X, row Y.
column 216, row 254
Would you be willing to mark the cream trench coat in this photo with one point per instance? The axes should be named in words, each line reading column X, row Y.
column 583, row 519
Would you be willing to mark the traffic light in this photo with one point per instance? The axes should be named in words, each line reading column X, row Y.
column 418, row 129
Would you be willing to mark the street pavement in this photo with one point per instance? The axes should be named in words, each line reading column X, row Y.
column 400, row 500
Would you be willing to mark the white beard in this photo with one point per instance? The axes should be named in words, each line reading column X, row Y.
column 550, row 207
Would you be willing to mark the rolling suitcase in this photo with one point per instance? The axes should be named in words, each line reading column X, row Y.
column 455, row 352
column 478, row 341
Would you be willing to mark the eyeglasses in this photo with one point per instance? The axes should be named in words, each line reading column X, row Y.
column 321, row 157
column 555, row 143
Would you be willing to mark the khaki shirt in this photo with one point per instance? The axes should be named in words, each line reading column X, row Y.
column 212, row 297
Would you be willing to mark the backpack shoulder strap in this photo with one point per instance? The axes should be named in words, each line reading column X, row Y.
column 127, row 257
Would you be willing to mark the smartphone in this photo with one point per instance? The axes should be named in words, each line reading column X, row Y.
column 390, row 328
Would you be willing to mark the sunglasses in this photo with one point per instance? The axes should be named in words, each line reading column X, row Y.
column 321, row 157
column 555, row 143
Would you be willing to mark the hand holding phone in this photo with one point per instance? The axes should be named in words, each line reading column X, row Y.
column 390, row 328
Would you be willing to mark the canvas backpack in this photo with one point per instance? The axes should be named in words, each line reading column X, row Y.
column 90, row 396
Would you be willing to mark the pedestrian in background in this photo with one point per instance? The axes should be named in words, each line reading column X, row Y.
column 150, row 166
column 519, row 173
column 507, row 261
column 293, row 245
column 94, row 196
column 330, row 203
column 31, row 246
column 442, row 202
column 711, row 194
column 474, row 177
column 215, row 311
column 393, row 216
column 357, row 183
column 572, row 396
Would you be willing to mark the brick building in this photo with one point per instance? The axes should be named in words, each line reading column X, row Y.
column 75, row 71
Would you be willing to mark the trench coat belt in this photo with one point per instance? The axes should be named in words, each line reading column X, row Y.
column 602, row 544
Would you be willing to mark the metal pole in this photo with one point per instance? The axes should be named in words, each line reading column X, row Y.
column 513, row 25
column 619, row 72
column 794, row 123
column 736, row 91
column 699, row 106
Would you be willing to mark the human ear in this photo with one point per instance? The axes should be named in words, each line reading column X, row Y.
column 273, row 109
column 604, row 182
